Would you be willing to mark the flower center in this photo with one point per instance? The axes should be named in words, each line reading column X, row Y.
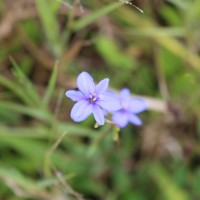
column 125, row 105
column 93, row 98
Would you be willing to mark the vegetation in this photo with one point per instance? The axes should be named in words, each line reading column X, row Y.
column 44, row 45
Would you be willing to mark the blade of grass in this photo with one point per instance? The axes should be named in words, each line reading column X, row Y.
column 32, row 112
column 24, row 82
column 170, row 43
column 47, row 12
column 43, row 131
column 45, row 183
column 22, row 185
column 16, row 89
column 51, row 85
column 112, row 54
column 16, row 176
column 179, row 3
column 159, row 32
column 169, row 189
column 40, row 132
column 47, row 162
column 81, row 23
column 33, row 149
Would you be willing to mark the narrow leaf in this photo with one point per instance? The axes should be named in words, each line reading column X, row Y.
column 51, row 85
column 95, row 15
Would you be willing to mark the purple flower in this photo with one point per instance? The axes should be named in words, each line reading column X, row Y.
column 92, row 99
column 129, row 108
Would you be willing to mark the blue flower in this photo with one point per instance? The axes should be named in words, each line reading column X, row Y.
column 129, row 108
column 92, row 99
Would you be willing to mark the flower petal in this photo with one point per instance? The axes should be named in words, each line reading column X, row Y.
column 135, row 120
column 109, row 103
column 102, row 86
column 111, row 93
column 121, row 118
column 125, row 95
column 86, row 84
column 98, row 114
column 137, row 105
column 81, row 110
column 75, row 95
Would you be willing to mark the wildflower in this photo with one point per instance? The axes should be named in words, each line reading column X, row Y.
column 129, row 108
column 92, row 99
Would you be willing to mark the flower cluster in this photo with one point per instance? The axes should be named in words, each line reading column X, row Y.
column 97, row 100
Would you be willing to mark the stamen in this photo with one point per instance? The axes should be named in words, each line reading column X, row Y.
column 92, row 98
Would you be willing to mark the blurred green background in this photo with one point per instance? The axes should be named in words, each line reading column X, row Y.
column 44, row 45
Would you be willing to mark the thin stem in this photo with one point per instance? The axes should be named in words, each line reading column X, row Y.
column 50, row 152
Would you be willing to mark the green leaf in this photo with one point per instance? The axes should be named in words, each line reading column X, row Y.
column 51, row 85
column 16, row 178
column 32, row 112
column 16, row 89
column 112, row 54
column 169, row 189
column 53, row 181
column 47, row 12
column 81, row 23
column 26, row 84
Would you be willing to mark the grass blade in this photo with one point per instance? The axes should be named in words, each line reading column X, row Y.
column 47, row 14
column 95, row 15
column 32, row 112
column 27, row 86
column 51, row 85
